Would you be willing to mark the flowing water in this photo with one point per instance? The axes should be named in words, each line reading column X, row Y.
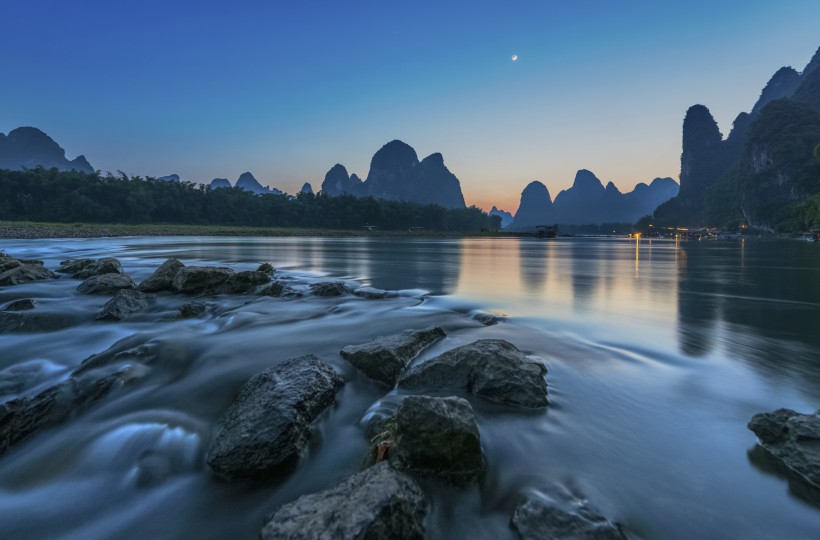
column 659, row 353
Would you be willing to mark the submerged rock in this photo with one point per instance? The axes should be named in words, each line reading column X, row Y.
column 33, row 321
column 268, row 424
column 384, row 358
column 163, row 277
column 244, row 282
column 376, row 503
column 437, row 436
column 73, row 267
column 372, row 293
column 274, row 289
column 106, row 284
column 24, row 273
column 20, row 305
column 536, row 519
column 20, row 418
column 328, row 288
column 192, row 310
column 491, row 368
column 201, row 279
column 144, row 354
column 124, row 304
column 792, row 438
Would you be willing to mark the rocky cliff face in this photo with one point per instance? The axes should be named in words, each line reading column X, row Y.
column 28, row 148
column 534, row 209
column 396, row 174
column 248, row 182
column 782, row 84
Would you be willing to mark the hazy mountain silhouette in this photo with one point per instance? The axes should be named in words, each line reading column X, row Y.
column 28, row 147
column 169, row 178
column 506, row 217
column 220, row 183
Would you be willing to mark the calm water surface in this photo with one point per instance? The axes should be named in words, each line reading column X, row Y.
column 658, row 353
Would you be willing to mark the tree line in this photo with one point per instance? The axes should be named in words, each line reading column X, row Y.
column 55, row 196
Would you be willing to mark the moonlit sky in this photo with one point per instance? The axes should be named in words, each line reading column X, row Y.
column 287, row 89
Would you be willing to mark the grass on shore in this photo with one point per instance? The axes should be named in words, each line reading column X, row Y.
column 30, row 229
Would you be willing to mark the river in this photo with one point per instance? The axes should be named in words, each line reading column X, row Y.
column 659, row 353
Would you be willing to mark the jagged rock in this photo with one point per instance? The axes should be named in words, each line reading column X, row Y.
column 124, row 303
column 20, row 305
column 106, row 284
column 536, row 519
column 371, row 293
column 792, row 438
column 20, row 418
column 107, row 265
column 32, row 321
column 274, row 289
column 163, row 277
column 24, row 273
column 328, row 288
column 437, row 436
column 384, row 358
column 491, row 368
column 376, row 503
column 201, row 279
column 266, row 268
column 73, row 267
column 192, row 310
column 268, row 423
column 243, row 282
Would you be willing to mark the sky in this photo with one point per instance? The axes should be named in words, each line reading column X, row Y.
column 285, row 90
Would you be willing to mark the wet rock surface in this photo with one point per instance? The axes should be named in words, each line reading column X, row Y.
column 537, row 519
column 125, row 303
column 23, row 304
column 437, row 436
column 793, row 439
column 163, row 277
column 201, row 279
column 376, row 503
column 106, row 265
column 33, row 321
column 491, row 368
column 73, row 267
column 274, row 289
column 23, row 273
column 192, row 310
column 372, row 293
column 269, row 422
column 106, row 284
column 266, row 268
column 384, row 358
column 245, row 282
column 328, row 288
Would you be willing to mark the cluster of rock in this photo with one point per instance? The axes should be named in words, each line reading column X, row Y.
column 793, row 439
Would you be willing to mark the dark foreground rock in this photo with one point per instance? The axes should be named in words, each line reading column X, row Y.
column 372, row 293
column 20, row 305
column 245, row 282
column 328, row 288
column 24, row 273
column 536, row 519
column 163, row 277
column 73, row 267
column 201, row 279
column 384, row 358
column 125, row 303
column 20, row 418
column 121, row 355
column 437, row 436
column 266, row 268
column 106, row 284
column 274, row 289
column 491, row 368
column 192, row 310
column 106, row 265
column 33, row 321
column 792, row 438
column 376, row 503
column 268, row 424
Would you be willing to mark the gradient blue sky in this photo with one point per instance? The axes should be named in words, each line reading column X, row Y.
column 287, row 89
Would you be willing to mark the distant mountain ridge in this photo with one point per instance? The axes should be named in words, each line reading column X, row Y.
column 246, row 182
column 396, row 174
column 506, row 217
column 588, row 202
column 28, row 148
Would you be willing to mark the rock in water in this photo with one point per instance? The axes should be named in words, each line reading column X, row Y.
column 33, row 321
column 201, row 279
column 23, row 304
column 372, row 293
column 163, row 277
column 384, row 358
column 268, row 424
column 243, row 282
column 192, row 309
column 274, row 289
column 792, row 438
column 124, row 304
column 74, row 266
column 267, row 268
column 536, row 519
column 376, row 503
column 491, row 368
column 437, row 436
column 328, row 288
column 106, row 284
column 24, row 273
column 107, row 265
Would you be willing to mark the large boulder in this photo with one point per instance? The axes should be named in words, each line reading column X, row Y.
column 201, row 279
column 437, row 436
column 163, row 277
column 384, row 358
column 378, row 502
column 491, row 368
column 124, row 303
column 73, row 267
column 22, row 417
column 243, row 282
column 268, row 424
column 24, row 273
column 328, row 288
column 106, row 265
column 792, row 438
column 106, row 284
column 537, row 519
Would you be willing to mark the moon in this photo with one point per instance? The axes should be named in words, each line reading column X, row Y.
column 515, row 58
